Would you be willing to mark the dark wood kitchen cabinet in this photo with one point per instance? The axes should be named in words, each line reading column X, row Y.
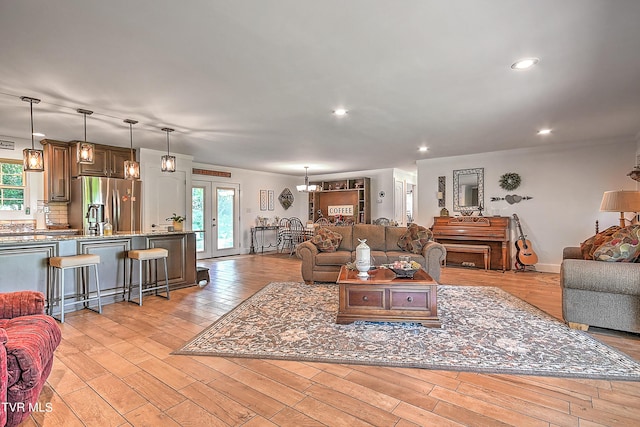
column 56, row 170
column 108, row 161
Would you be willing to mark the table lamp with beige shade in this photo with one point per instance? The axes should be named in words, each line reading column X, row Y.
column 621, row 201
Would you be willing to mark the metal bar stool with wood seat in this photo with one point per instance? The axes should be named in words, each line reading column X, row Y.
column 58, row 265
column 141, row 255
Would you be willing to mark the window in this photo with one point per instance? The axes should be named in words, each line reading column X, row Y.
column 12, row 180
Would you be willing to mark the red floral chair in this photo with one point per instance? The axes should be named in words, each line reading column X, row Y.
column 28, row 339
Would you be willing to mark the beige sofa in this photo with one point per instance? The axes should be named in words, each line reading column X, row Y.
column 598, row 293
column 383, row 240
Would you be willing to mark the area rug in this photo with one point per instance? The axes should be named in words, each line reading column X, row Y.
column 484, row 329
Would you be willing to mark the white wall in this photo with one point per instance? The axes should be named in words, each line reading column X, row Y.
column 566, row 183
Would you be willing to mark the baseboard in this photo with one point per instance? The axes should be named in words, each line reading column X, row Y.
column 548, row 268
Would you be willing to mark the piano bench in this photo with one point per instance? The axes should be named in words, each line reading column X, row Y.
column 485, row 250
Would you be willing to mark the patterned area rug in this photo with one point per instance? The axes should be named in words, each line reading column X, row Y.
column 483, row 330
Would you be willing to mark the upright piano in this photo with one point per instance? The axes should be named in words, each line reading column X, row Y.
column 493, row 231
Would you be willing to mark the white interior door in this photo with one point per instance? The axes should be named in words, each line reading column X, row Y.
column 216, row 218
column 399, row 203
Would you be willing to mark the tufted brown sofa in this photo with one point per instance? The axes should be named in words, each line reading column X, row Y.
column 383, row 240
column 28, row 339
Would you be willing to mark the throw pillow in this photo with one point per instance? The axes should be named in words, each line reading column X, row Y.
column 623, row 247
column 414, row 239
column 589, row 246
column 326, row 240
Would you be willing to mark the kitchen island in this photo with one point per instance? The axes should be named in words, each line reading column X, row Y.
column 24, row 260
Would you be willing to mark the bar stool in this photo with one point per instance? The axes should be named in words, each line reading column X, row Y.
column 148, row 255
column 58, row 265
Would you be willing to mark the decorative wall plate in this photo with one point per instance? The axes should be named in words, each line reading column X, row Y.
column 286, row 198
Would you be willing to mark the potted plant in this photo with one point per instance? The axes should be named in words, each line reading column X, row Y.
column 177, row 221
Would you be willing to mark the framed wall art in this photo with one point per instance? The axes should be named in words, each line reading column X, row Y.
column 271, row 199
column 286, row 198
column 263, row 200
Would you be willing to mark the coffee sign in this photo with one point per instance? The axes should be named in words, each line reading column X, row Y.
column 346, row 210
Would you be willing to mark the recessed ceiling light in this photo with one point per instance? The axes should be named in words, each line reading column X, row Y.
column 524, row 63
column 38, row 134
column 340, row 112
column 423, row 149
column 544, row 131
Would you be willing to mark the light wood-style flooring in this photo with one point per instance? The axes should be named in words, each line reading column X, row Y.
column 116, row 369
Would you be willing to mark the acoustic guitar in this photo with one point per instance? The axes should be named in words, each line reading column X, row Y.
column 524, row 252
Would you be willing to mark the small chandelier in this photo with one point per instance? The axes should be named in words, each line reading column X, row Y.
column 85, row 149
column 131, row 167
column 168, row 161
column 33, row 160
column 306, row 188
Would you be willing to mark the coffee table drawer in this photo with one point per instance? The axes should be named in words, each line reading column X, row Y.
column 409, row 300
column 363, row 298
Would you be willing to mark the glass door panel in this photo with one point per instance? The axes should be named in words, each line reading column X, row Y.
column 215, row 218
column 200, row 211
column 197, row 216
column 225, row 218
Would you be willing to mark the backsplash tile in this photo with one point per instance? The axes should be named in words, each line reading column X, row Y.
column 57, row 213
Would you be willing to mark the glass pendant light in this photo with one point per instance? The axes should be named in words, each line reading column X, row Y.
column 168, row 161
column 131, row 167
column 306, row 188
column 85, row 149
column 33, row 160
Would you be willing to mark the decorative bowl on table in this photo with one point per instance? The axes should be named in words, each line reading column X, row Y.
column 403, row 269
column 404, row 272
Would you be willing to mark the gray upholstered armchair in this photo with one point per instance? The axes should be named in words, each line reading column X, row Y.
column 600, row 294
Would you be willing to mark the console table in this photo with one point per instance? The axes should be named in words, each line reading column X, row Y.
column 491, row 231
column 260, row 229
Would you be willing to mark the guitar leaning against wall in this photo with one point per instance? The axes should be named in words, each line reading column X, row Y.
column 524, row 251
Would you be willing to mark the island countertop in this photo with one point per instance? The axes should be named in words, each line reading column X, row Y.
column 47, row 236
column 24, row 260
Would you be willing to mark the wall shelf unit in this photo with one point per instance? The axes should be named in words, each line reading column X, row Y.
column 353, row 192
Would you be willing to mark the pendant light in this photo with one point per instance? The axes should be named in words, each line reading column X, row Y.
column 306, row 188
column 85, row 149
column 168, row 161
column 33, row 160
column 131, row 167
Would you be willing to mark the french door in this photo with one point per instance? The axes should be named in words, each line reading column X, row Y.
column 215, row 218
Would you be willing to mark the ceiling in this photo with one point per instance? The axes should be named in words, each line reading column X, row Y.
column 252, row 83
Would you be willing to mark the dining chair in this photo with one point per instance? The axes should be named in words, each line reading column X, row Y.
column 297, row 232
column 382, row 221
column 284, row 234
column 323, row 221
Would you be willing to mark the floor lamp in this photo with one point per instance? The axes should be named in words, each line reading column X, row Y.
column 621, row 201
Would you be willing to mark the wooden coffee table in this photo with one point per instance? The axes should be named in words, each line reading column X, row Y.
column 384, row 298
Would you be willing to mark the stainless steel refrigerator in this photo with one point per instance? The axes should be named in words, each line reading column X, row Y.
column 121, row 199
